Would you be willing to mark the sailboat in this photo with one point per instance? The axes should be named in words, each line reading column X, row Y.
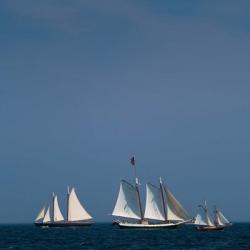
column 162, row 209
column 76, row 214
column 219, row 222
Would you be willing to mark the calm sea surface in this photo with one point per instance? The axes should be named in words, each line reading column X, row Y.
column 105, row 236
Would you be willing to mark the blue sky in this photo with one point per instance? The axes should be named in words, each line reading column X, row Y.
column 86, row 84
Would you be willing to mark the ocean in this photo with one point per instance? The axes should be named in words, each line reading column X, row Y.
column 105, row 236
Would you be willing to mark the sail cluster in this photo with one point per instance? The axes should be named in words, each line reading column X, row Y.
column 161, row 205
column 219, row 219
column 75, row 211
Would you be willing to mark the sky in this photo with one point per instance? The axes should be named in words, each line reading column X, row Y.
column 86, row 84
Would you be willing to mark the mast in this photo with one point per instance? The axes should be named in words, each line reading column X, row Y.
column 208, row 219
column 137, row 189
column 163, row 201
column 68, row 191
column 206, row 211
column 132, row 161
column 216, row 215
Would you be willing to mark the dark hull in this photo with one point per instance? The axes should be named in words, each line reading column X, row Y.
column 209, row 228
column 63, row 224
column 148, row 227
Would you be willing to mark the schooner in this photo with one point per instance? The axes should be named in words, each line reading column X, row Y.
column 162, row 209
column 218, row 223
column 52, row 216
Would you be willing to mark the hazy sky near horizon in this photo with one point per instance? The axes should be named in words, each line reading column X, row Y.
column 86, row 84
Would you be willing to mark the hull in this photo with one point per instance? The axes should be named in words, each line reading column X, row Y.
column 145, row 226
column 210, row 228
column 63, row 224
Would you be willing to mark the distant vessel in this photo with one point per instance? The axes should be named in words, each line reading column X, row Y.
column 219, row 222
column 77, row 216
column 162, row 209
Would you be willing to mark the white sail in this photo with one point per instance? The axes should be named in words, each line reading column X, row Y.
column 209, row 220
column 41, row 214
column 127, row 204
column 199, row 221
column 218, row 221
column 154, row 205
column 222, row 219
column 175, row 211
column 76, row 212
column 47, row 216
column 57, row 212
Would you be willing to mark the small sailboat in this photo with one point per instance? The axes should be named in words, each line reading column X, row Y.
column 219, row 222
column 76, row 214
column 162, row 210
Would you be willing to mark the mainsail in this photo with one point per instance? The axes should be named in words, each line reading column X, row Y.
column 57, row 216
column 154, row 205
column 47, row 216
column 209, row 220
column 76, row 212
column 175, row 211
column 220, row 218
column 41, row 214
column 207, row 216
column 127, row 204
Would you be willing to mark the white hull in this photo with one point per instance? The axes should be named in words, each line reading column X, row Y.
column 145, row 225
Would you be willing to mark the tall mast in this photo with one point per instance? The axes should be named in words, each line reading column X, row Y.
column 132, row 161
column 163, row 200
column 68, row 191
column 139, row 198
column 216, row 215
column 206, row 212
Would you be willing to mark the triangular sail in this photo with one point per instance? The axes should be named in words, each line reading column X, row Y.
column 199, row 221
column 41, row 214
column 127, row 204
column 218, row 220
column 175, row 211
column 57, row 212
column 47, row 216
column 222, row 219
column 154, row 205
column 209, row 220
column 76, row 212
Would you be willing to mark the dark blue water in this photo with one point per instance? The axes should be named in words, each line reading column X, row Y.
column 105, row 236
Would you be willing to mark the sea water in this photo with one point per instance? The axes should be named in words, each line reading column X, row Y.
column 105, row 236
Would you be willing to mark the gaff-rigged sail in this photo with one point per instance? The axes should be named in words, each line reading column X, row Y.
column 76, row 211
column 209, row 220
column 154, row 205
column 127, row 204
column 221, row 219
column 175, row 211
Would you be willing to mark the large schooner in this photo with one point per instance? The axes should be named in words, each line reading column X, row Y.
column 218, row 223
column 162, row 209
column 52, row 216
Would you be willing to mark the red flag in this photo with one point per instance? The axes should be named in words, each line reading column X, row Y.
column 132, row 161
